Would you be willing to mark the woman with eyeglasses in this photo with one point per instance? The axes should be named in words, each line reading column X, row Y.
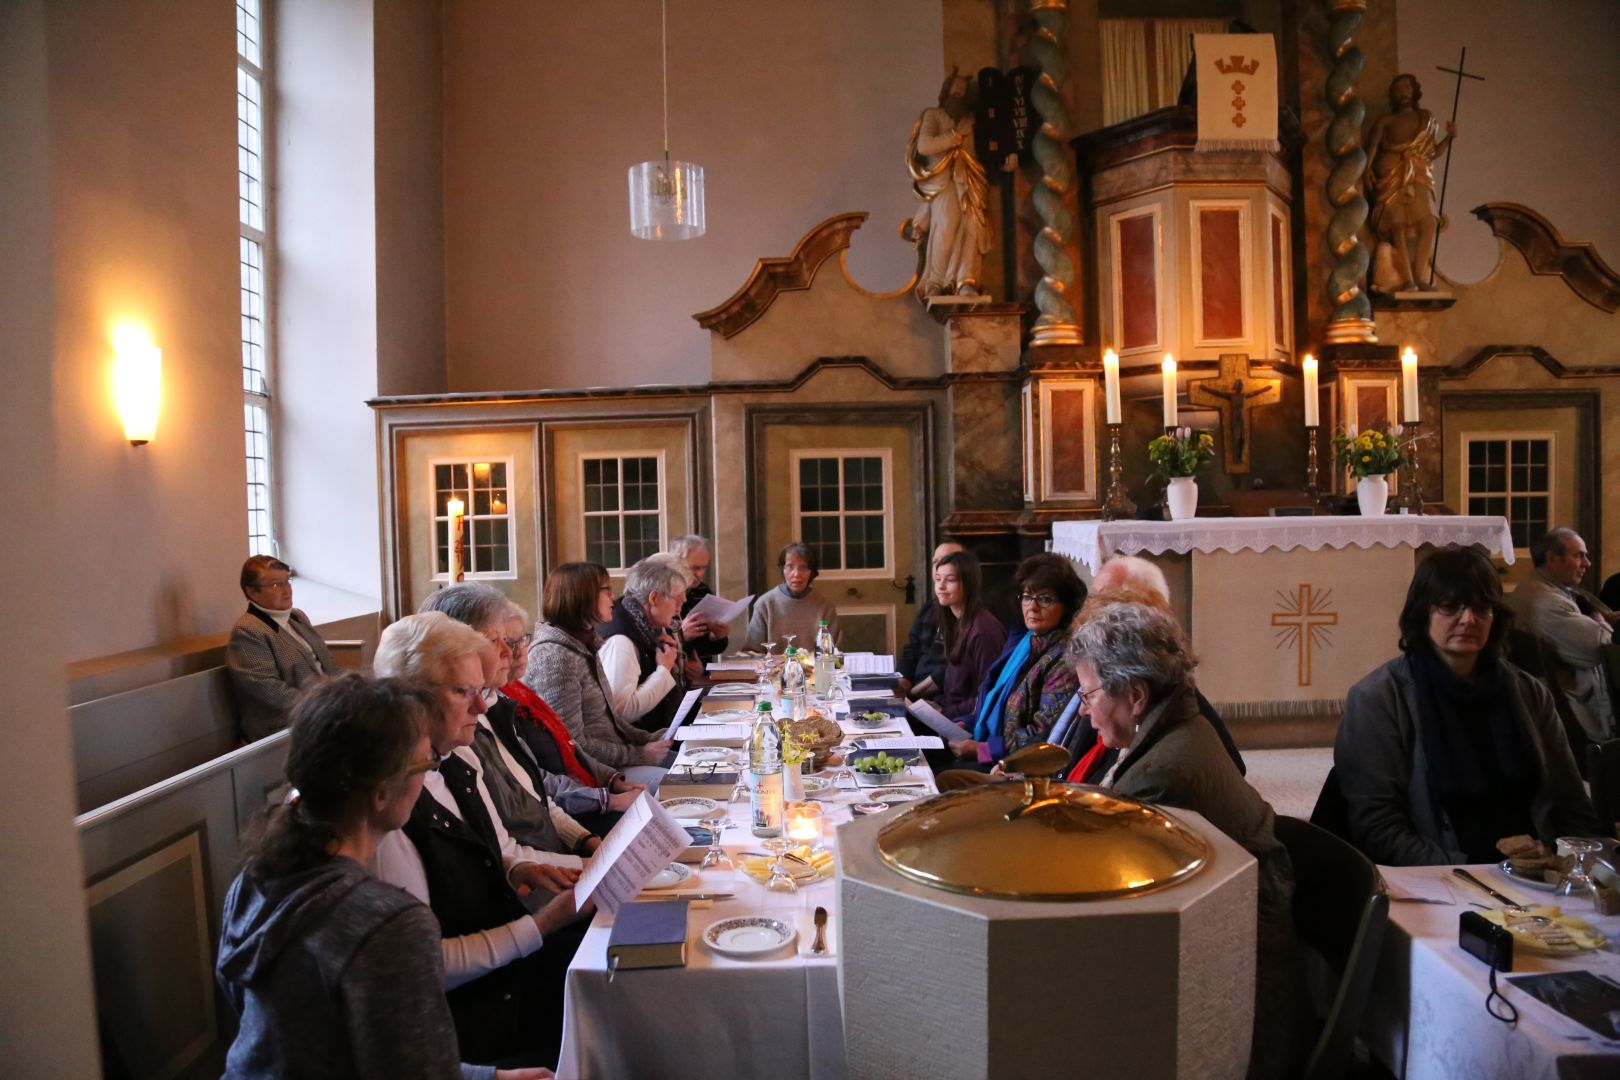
column 1027, row 688
column 1449, row 748
column 565, row 668
column 332, row 972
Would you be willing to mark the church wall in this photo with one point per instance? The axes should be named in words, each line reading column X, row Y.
column 46, row 997
column 143, row 183
column 796, row 112
column 1538, row 131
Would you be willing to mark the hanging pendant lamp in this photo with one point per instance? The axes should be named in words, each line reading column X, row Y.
column 666, row 197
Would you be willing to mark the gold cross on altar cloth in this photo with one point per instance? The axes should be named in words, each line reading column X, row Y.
column 1303, row 622
column 1235, row 393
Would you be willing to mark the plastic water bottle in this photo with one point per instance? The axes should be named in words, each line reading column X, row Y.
column 765, row 767
column 795, row 693
column 826, row 660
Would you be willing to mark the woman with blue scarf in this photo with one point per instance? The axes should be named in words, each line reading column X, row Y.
column 1028, row 687
column 1449, row 748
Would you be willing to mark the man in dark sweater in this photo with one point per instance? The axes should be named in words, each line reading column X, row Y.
column 922, row 661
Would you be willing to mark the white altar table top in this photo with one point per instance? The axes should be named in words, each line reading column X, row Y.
column 1092, row 542
column 1426, row 1016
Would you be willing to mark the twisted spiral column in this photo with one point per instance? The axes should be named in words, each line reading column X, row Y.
column 1057, row 323
column 1351, row 320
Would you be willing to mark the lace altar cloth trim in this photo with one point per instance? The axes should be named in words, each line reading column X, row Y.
column 1093, row 541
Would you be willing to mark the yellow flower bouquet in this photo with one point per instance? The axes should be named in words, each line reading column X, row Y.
column 1373, row 452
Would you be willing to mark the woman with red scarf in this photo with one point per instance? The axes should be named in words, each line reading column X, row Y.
column 593, row 793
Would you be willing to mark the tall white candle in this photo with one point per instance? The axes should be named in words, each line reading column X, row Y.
column 1169, row 391
column 1409, row 387
column 1311, row 402
column 1111, row 384
column 457, row 510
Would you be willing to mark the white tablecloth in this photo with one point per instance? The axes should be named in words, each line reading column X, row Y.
column 718, row 1018
column 1426, row 1017
column 1092, row 542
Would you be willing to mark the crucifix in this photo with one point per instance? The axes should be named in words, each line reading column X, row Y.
column 1235, row 393
column 1462, row 72
column 1302, row 623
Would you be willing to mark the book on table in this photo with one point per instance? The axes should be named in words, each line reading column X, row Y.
column 648, row 935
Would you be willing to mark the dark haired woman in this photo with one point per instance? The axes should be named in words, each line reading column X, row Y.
column 566, row 671
column 1449, row 748
column 1027, row 688
column 333, row 972
column 793, row 607
column 972, row 637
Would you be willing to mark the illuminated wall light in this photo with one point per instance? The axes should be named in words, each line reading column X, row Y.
column 137, row 382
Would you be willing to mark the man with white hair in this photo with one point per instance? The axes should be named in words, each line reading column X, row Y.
column 704, row 639
column 1549, row 603
column 1131, row 570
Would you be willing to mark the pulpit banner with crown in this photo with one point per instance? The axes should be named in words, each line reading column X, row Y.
column 1237, row 91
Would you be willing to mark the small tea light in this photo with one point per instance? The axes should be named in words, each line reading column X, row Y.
column 803, row 824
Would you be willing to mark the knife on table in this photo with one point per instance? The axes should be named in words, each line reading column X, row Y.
column 1512, row 905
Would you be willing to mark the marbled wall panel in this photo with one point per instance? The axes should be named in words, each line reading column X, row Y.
column 1071, row 440
column 985, row 342
column 1220, row 255
column 1138, row 281
column 985, row 434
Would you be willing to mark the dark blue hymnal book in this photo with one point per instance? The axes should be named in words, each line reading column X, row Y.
column 651, row 934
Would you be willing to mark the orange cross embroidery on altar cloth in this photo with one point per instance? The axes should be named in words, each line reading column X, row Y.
column 1302, row 623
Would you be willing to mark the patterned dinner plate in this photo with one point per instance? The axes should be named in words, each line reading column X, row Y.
column 818, row 785
column 670, row 876
column 710, row 753
column 749, row 935
column 690, row 807
column 892, row 797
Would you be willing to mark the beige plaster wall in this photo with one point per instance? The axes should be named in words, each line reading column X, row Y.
column 144, row 205
column 796, row 112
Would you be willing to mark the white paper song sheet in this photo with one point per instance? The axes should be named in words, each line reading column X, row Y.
column 645, row 840
column 680, row 714
column 904, row 742
column 935, row 720
column 715, row 731
column 865, row 663
column 718, row 609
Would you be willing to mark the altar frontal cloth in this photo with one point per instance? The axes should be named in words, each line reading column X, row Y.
column 1277, row 629
column 1237, row 91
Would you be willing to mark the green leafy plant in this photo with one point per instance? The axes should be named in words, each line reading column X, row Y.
column 1374, row 452
column 1181, row 454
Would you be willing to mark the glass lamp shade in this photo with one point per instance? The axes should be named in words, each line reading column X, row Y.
column 666, row 200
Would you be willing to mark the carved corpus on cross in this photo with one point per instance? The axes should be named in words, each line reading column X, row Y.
column 1235, row 393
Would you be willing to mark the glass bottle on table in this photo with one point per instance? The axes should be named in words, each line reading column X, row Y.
column 765, row 769
column 795, row 692
column 826, row 659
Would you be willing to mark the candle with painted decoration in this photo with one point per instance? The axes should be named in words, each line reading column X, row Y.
column 457, row 510
column 1169, row 391
column 1311, row 396
column 1111, row 384
column 1409, row 386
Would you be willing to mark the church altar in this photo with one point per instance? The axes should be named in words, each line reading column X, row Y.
column 1286, row 614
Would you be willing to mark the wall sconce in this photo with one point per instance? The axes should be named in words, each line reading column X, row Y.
column 137, row 383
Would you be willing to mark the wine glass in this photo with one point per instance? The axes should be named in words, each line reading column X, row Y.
column 716, row 857
column 781, row 880
column 1577, row 884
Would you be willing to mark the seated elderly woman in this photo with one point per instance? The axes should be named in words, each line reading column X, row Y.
column 1449, row 748
column 503, row 967
column 793, row 607
column 1029, row 685
column 641, row 647
column 331, row 971
column 565, row 670
column 1134, row 667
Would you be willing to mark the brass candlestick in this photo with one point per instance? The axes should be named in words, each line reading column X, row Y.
column 1410, row 500
column 1312, row 489
column 1118, row 504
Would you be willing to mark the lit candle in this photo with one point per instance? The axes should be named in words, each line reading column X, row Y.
column 1311, row 403
column 803, row 824
column 1409, row 386
column 458, row 510
column 1111, row 384
column 1169, row 391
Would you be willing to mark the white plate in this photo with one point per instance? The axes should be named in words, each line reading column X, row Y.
column 1506, row 870
column 724, row 716
column 710, row 753
column 749, row 935
column 670, row 876
column 818, row 785
column 690, row 808
column 892, row 797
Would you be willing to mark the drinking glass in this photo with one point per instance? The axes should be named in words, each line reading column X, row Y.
column 715, row 857
column 1577, row 884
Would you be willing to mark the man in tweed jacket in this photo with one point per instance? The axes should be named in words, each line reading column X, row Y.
column 274, row 651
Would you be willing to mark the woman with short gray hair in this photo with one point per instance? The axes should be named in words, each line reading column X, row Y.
column 640, row 647
column 1134, row 666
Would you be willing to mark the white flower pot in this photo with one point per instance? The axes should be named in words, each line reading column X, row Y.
column 1183, row 498
column 1372, row 492
column 792, row 782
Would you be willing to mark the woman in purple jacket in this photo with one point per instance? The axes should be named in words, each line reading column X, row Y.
column 971, row 635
